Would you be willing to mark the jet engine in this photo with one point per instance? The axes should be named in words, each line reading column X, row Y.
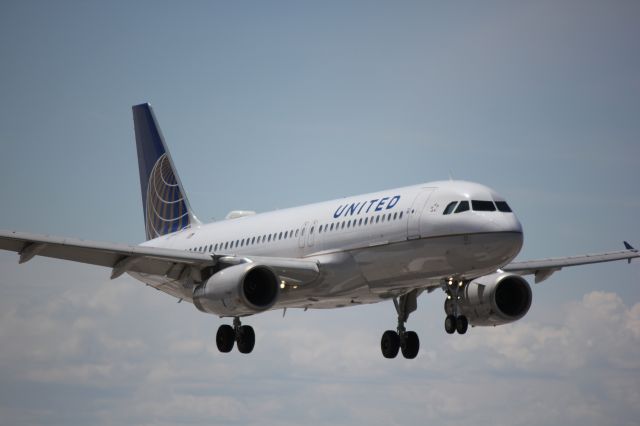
column 494, row 299
column 243, row 289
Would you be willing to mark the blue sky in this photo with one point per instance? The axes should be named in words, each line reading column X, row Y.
column 267, row 105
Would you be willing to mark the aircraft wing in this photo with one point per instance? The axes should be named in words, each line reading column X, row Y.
column 543, row 269
column 121, row 257
column 174, row 264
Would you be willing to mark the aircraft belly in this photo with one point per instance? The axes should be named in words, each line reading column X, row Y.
column 340, row 284
column 418, row 263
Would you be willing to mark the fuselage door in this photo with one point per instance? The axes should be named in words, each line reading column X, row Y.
column 312, row 233
column 302, row 237
column 413, row 223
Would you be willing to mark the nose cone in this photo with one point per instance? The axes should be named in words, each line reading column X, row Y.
column 507, row 222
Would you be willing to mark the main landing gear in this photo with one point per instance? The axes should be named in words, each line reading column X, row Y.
column 454, row 321
column 242, row 334
column 401, row 339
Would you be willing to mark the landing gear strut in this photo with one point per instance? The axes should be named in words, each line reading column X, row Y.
column 243, row 335
column 454, row 321
column 401, row 339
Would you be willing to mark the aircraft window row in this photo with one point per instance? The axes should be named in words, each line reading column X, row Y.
column 476, row 205
column 245, row 242
column 267, row 238
column 352, row 223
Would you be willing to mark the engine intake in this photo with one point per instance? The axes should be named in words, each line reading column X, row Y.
column 260, row 287
column 243, row 289
column 495, row 299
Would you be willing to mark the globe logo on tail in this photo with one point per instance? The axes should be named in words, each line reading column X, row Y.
column 166, row 209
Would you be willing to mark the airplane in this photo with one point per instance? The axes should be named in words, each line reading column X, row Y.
column 393, row 245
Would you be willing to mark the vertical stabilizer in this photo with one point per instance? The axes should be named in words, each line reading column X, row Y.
column 165, row 204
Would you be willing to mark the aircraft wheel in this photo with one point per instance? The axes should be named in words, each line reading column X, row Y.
column 225, row 337
column 246, row 339
column 390, row 344
column 411, row 345
column 450, row 324
column 462, row 323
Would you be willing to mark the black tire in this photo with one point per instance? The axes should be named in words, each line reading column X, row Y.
column 462, row 323
column 390, row 344
column 246, row 339
column 450, row 324
column 411, row 345
column 225, row 337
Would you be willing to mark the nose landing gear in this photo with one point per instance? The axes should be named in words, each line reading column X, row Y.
column 243, row 335
column 400, row 339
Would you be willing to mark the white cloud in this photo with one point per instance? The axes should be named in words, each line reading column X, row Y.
column 132, row 355
column 599, row 330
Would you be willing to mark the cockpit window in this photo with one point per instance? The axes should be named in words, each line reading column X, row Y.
column 503, row 206
column 462, row 207
column 450, row 207
column 483, row 206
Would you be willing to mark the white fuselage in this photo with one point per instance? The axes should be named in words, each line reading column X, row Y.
column 378, row 244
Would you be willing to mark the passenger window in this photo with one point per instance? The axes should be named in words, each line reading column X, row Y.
column 297, row 232
column 280, row 236
column 366, row 220
column 388, row 217
column 320, row 230
column 311, row 230
column 343, row 223
column 483, row 206
column 503, row 206
column 360, row 222
column 377, row 219
column 462, row 207
column 401, row 213
column 450, row 207
column 395, row 215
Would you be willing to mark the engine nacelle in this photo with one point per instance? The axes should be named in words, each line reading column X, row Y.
column 494, row 299
column 243, row 289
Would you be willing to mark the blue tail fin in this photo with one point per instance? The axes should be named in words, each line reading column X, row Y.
column 166, row 208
